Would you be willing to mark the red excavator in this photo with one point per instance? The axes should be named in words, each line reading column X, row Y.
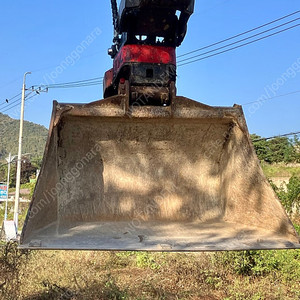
column 144, row 169
column 146, row 36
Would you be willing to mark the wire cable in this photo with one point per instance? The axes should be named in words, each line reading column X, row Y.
column 17, row 104
column 86, row 81
column 75, row 86
column 17, row 100
column 240, row 34
column 242, row 40
column 276, row 136
column 236, row 47
column 5, row 102
column 279, row 96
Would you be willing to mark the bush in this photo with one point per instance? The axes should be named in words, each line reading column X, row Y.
column 250, row 262
column 290, row 198
column 146, row 260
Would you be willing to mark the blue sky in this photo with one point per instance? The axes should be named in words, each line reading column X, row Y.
column 38, row 36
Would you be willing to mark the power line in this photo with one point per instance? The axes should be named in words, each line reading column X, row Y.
column 72, row 84
column 75, row 85
column 236, row 47
column 10, row 103
column 276, row 136
column 85, row 82
column 10, row 107
column 26, row 99
column 236, row 42
column 240, row 34
column 279, row 96
column 17, row 100
column 5, row 102
column 78, row 81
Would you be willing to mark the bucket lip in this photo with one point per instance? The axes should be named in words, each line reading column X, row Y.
column 119, row 101
column 181, row 108
column 208, row 249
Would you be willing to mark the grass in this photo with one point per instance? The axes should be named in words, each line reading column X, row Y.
column 90, row 275
column 280, row 170
column 139, row 275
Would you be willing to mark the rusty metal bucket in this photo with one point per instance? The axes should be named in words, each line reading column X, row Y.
column 177, row 178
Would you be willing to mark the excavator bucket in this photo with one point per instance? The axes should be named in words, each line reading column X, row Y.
column 179, row 178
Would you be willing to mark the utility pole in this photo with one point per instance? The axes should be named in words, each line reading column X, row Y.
column 18, row 181
column 8, row 173
column 9, row 160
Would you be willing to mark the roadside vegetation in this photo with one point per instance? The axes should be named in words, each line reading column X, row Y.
column 281, row 170
column 140, row 275
column 255, row 275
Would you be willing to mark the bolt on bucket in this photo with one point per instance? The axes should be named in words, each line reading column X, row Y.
column 178, row 178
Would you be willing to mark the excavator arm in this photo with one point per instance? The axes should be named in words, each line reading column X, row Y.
column 154, row 19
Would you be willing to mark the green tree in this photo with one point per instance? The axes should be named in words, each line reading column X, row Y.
column 279, row 149
column 261, row 148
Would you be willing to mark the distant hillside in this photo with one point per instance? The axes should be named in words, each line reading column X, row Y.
column 34, row 140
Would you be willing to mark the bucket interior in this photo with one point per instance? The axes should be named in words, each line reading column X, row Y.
column 174, row 184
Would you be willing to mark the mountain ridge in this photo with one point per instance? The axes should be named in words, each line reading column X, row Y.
column 34, row 137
